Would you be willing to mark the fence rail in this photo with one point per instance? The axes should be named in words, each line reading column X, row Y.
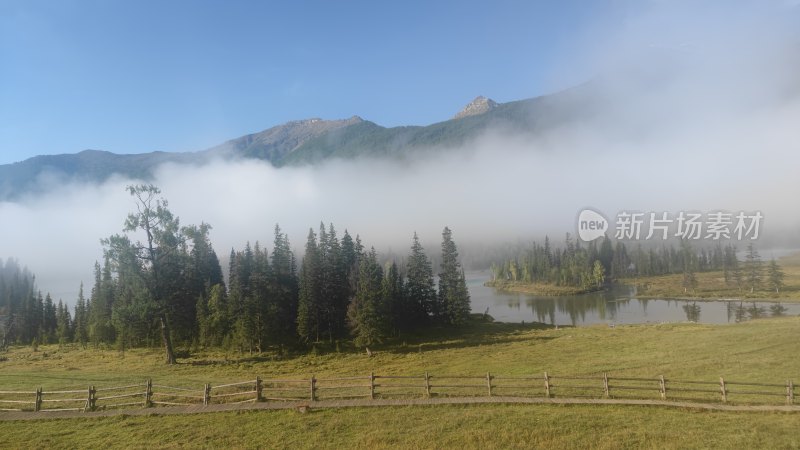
column 424, row 385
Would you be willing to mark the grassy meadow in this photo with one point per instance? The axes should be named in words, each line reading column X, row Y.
column 747, row 351
column 711, row 285
column 759, row 350
column 452, row 426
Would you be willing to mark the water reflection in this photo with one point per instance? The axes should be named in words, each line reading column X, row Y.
column 777, row 310
column 618, row 305
column 692, row 312
column 604, row 306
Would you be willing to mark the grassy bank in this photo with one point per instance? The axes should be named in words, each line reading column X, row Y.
column 543, row 289
column 712, row 285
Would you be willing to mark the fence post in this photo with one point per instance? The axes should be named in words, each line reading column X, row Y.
column 93, row 405
column 489, row 383
column 372, row 385
column 427, row 385
column 722, row 390
column 789, row 392
column 605, row 385
column 37, row 405
column 259, row 388
column 148, row 395
column 546, row 385
column 662, row 387
column 206, row 394
column 91, row 399
column 313, row 389
column 88, row 406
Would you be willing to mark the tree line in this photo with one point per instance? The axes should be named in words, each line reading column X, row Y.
column 169, row 286
column 591, row 265
column 26, row 315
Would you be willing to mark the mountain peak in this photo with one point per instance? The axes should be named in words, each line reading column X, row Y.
column 477, row 106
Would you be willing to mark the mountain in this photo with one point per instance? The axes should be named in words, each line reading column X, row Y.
column 40, row 173
column 531, row 116
column 480, row 105
column 309, row 141
column 275, row 143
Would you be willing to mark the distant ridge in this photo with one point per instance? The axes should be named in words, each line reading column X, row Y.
column 306, row 141
column 275, row 143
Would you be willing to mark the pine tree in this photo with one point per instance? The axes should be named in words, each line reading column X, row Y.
column 309, row 314
column 753, row 269
column 32, row 322
column 241, row 304
column 366, row 313
column 334, row 283
column 394, row 299
column 101, row 329
column 203, row 335
column 605, row 255
column 212, row 317
column 16, row 294
column 350, row 255
column 598, row 274
column 729, row 261
column 285, row 288
column 259, row 305
column 737, row 275
column 47, row 333
column 63, row 324
column 236, row 290
column 689, row 264
column 775, row 276
column 621, row 262
column 421, row 301
column 453, row 293
column 81, row 320
column 203, row 271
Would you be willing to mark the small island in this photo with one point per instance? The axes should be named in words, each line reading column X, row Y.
column 669, row 272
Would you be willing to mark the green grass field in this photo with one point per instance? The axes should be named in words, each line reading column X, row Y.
column 760, row 350
column 747, row 351
column 711, row 285
column 477, row 426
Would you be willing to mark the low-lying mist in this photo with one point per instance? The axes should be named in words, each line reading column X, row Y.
column 707, row 121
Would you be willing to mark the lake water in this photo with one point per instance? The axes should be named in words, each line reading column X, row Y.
column 616, row 306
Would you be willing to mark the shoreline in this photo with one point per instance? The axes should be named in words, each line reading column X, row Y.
column 554, row 291
column 544, row 290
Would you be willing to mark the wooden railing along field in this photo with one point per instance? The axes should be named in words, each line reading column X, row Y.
column 149, row 394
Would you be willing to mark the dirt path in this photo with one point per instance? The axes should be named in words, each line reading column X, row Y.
column 325, row 404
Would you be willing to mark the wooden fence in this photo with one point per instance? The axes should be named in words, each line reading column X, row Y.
column 149, row 394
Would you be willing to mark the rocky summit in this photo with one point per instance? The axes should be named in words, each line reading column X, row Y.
column 480, row 105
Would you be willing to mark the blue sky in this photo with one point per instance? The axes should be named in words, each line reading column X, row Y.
column 138, row 76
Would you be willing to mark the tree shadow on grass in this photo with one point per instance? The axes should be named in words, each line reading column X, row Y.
column 478, row 331
column 474, row 334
